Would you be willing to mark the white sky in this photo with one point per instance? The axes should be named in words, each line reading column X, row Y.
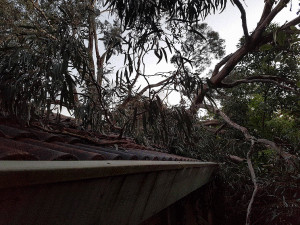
column 229, row 26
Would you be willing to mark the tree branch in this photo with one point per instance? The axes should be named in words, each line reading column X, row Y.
column 256, row 40
column 253, row 178
column 244, row 130
column 36, row 6
column 267, row 9
column 148, row 87
column 291, row 23
column 221, row 63
column 268, row 18
column 263, row 79
column 154, row 85
column 243, row 17
column 291, row 159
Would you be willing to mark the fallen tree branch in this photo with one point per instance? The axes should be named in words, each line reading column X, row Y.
column 162, row 83
column 289, row 158
column 236, row 159
column 253, row 178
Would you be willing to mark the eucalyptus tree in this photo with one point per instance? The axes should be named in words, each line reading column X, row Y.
column 47, row 54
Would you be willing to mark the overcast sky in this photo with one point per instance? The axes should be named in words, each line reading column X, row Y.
column 229, row 26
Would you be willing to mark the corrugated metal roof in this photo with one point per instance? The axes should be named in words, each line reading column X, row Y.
column 67, row 143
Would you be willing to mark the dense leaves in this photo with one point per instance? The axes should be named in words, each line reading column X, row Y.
column 141, row 14
column 38, row 51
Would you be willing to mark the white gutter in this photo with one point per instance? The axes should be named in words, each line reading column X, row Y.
column 94, row 192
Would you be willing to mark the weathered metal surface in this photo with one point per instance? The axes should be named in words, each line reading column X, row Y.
column 94, row 192
column 75, row 145
column 40, row 152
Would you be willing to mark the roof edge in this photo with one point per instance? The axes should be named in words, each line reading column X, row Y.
column 27, row 173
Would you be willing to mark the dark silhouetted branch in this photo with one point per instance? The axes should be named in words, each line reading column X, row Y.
column 262, row 79
column 243, row 17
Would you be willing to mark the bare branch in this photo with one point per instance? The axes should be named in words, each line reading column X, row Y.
column 244, row 130
column 267, row 9
column 236, row 159
column 291, row 159
column 268, row 18
column 148, row 87
column 285, row 155
column 291, row 23
column 154, row 85
column 220, row 128
column 262, row 79
column 253, row 178
column 243, row 17
column 221, row 63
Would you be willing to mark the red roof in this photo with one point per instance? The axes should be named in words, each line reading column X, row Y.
column 64, row 142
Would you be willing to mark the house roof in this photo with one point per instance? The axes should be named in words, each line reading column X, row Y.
column 130, row 186
column 64, row 141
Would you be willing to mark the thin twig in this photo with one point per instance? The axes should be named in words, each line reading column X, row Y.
column 253, row 178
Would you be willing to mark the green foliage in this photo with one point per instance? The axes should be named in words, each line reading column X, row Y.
column 271, row 112
column 36, row 56
column 141, row 14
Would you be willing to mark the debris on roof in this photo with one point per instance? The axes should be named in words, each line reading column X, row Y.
column 69, row 143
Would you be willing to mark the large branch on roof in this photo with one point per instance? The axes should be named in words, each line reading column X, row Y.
column 148, row 87
column 243, row 17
